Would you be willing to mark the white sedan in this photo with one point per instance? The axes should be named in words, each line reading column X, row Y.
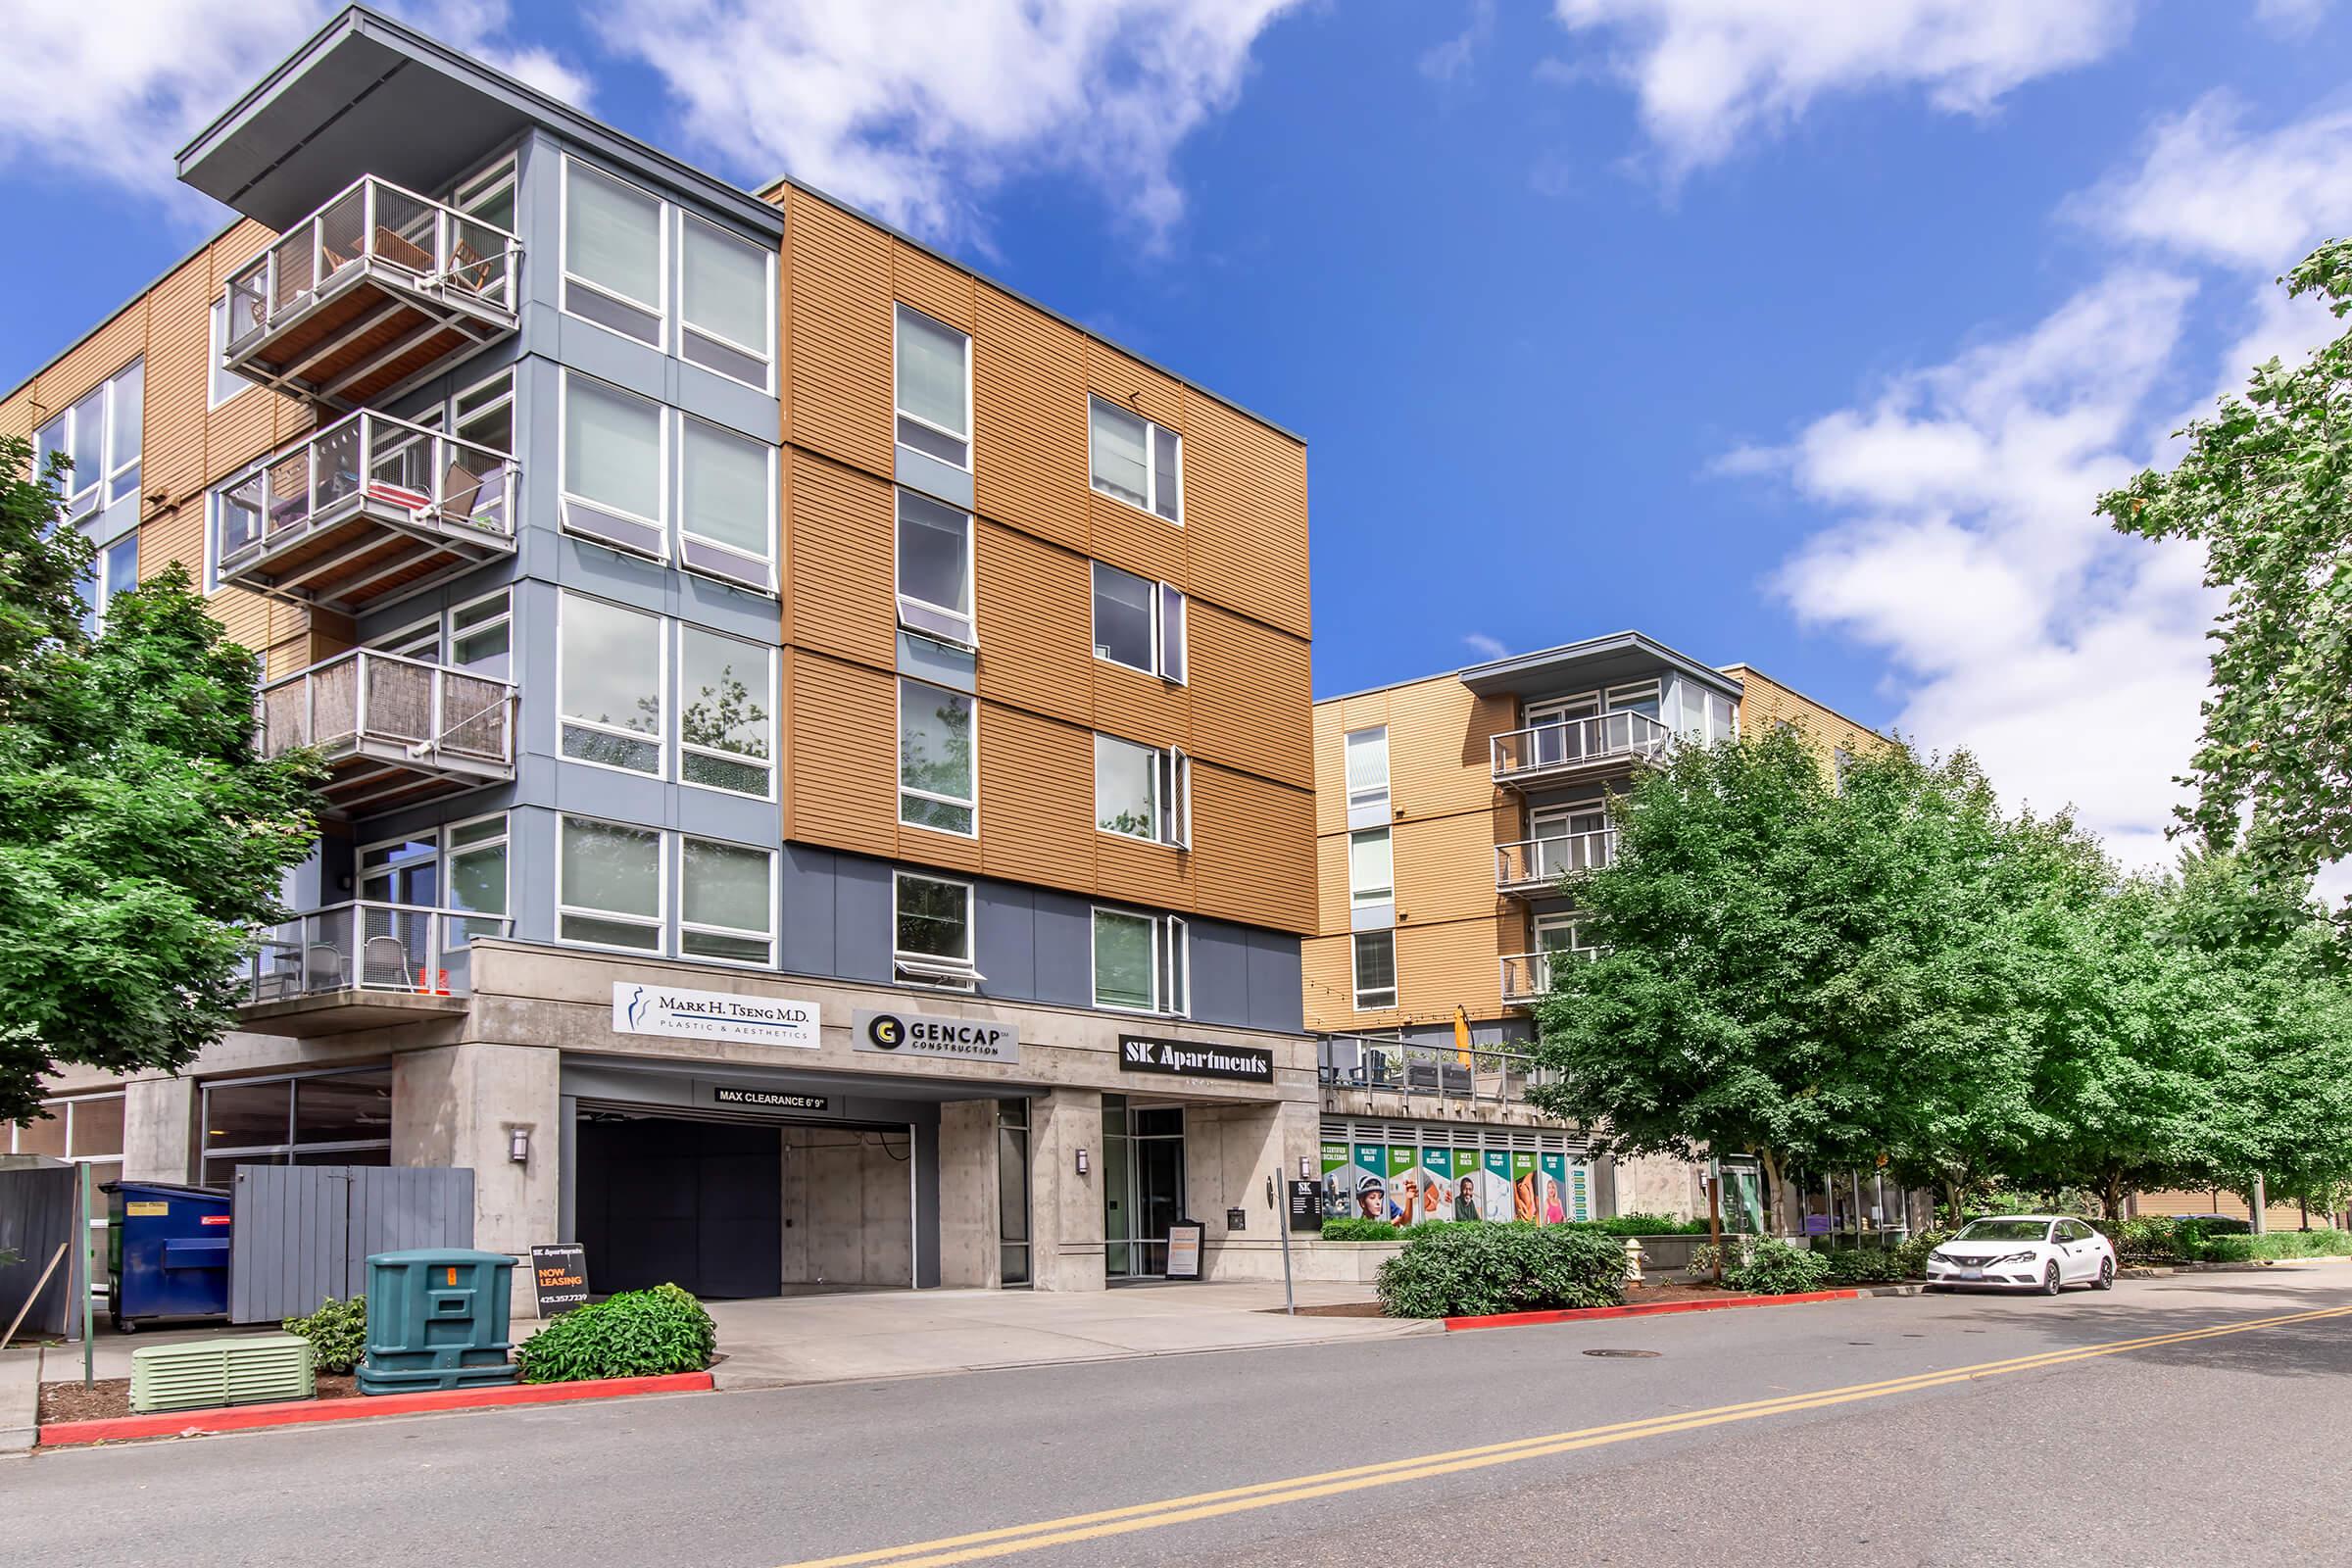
column 2023, row 1253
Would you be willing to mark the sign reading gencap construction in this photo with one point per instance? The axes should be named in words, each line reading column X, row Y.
column 655, row 1009
column 916, row 1034
column 1239, row 1064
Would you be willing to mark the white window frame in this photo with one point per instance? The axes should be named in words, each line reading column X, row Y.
column 1172, row 794
column 208, row 580
column 898, row 306
column 62, row 1108
column 467, row 193
column 927, row 971
column 100, row 489
column 213, row 374
column 565, row 498
column 970, row 638
column 504, row 618
column 457, row 416
column 663, row 723
column 1171, row 944
column 1371, row 898
column 103, row 587
column 898, row 733
column 733, row 933
column 1368, row 797
column 678, row 501
column 767, row 354
column 1150, row 469
column 1356, row 979
column 660, row 924
column 661, row 229
column 456, row 934
column 1170, row 657
column 396, row 641
column 736, row 757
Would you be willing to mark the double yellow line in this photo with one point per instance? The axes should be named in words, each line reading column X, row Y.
column 1013, row 1539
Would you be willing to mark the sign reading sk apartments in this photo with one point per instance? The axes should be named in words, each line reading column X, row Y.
column 641, row 1009
column 1235, row 1064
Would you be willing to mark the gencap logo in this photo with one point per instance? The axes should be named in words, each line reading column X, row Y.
column 886, row 1031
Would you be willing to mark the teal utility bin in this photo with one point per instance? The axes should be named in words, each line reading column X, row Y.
column 436, row 1319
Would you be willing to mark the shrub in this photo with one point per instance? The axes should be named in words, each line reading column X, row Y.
column 1862, row 1265
column 338, row 1332
column 1345, row 1229
column 636, row 1334
column 1475, row 1270
column 1703, row 1256
column 2233, row 1248
column 1911, row 1256
column 1771, row 1266
column 1643, row 1225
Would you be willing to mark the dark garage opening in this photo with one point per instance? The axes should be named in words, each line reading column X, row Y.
column 698, row 1204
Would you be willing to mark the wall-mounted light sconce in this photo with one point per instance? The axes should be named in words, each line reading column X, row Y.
column 519, row 1145
column 1082, row 1162
column 1306, row 1172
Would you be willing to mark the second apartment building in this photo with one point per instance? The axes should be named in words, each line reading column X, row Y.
column 820, row 744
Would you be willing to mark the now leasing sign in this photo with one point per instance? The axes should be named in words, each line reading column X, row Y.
column 1235, row 1064
column 640, row 1008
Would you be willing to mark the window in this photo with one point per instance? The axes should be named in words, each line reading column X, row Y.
column 484, row 413
column 726, row 701
column 1375, row 969
column 609, row 678
column 99, row 436
column 225, row 383
column 86, row 1129
column 475, row 863
column 1136, row 460
column 608, row 885
column 726, row 297
column 1013, row 1191
column 934, row 389
column 326, row 1118
column 931, row 942
column 612, row 463
column 1143, row 792
column 1841, row 759
column 1142, row 962
column 481, row 636
column 935, row 569
column 937, row 786
column 612, row 271
column 115, row 571
column 1368, row 770
column 489, row 195
column 1371, row 868
column 726, row 902
column 1138, row 623
column 726, row 503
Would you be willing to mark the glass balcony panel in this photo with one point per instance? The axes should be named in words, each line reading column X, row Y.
column 368, row 945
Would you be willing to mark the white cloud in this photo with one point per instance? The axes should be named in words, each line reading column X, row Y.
column 1713, row 74
column 913, row 109
column 2290, row 17
column 1451, row 60
column 1484, row 646
column 2208, row 187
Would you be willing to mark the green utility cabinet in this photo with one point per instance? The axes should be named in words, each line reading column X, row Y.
column 437, row 1319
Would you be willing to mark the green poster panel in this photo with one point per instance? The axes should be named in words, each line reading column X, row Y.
column 1338, row 1200
column 1551, row 1188
column 1437, row 1167
column 1371, row 1182
column 1495, row 1185
column 1523, row 1184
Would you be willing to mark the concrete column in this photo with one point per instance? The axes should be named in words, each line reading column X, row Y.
column 1066, row 1208
column 968, row 1194
column 460, row 1106
column 158, row 1130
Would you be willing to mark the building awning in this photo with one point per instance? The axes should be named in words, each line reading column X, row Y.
column 1595, row 662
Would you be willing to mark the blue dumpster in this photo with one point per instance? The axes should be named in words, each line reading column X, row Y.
column 166, row 1253
column 436, row 1319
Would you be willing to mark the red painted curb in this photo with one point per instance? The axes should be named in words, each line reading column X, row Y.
column 1513, row 1320
column 305, row 1412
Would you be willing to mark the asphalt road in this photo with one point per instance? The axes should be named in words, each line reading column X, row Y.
column 1842, row 1433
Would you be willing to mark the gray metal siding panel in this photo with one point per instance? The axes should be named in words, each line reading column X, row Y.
column 302, row 1234
column 39, row 1208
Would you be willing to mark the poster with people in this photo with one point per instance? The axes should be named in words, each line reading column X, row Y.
column 1436, row 1184
column 1338, row 1192
column 1495, row 1185
column 1371, row 1182
column 1523, row 1184
column 1551, row 1187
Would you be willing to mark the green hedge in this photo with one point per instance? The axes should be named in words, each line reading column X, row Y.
column 338, row 1332
column 1474, row 1270
column 2195, row 1238
column 1770, row 1266
column 2274, row 1244
column 637, row 1334
column 1863, row 1265
column 1642, row 1225
column 1360, row 1230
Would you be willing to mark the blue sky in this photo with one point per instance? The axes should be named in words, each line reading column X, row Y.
column 1800, row 333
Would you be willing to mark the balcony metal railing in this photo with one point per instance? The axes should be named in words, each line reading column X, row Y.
column 1562, row 747
column 455, row 275
column 389, row 725
column 1527, row 976
column 278, row 521
column 1536, row 865
column 369, row 946
column 1491, row 1076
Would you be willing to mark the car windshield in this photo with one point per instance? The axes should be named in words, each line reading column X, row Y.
column 2005, row 1230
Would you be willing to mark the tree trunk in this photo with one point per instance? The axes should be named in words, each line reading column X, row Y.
column 2111, row 1195
column 2258, row 1203
column 1775, row 1198
column 1951, row 1203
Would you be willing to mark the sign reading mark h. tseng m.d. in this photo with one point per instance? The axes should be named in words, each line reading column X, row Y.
column 644, row 1008
column 1239, row 1064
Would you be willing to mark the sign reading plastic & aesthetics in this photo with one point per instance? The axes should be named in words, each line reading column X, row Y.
column 642, row 1008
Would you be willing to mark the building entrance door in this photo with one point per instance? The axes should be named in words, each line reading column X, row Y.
column 1143, row 1186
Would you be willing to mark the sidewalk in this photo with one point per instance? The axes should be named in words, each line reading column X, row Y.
column 894, row 1334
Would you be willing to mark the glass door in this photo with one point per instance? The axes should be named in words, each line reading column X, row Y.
column 1143, row 1186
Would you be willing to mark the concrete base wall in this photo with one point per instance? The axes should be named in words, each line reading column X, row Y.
column 158, row 1130
column 1658, row 1184
column 848, row 1207
column 461, row 1105
column 968, row 1194
column 1065, row 1207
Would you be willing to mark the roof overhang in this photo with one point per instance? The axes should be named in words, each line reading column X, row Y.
column 1595, row 662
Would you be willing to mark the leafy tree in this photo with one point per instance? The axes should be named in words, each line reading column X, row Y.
column 2266, row 487
column 142, row 838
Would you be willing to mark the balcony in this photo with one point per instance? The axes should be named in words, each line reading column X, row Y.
column 393, row 730
column 362, row 513
column 1527, row 976
column 1536, row 868
column 1563, row 749
column 362, row 965
column 369, row 294
column 1430, row 1075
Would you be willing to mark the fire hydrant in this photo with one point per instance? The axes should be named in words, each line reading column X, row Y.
column 1633, row 1260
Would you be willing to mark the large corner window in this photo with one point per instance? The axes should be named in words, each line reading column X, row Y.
column 931, row 941
column 726, row 505
column 1371, row 868
column 938, row 771
column 1142, row 962
column 612, row 264
column 114, row 573
column 608, row 885
column 726, row 901
column 1375, row 970
column 1135, row 459
column 935, row 569
column 86, row 1129
column 608, row 684
column 99, row 436
column 727, row 703
column 726, row 302
column 1138, row 623
column 322, row 1118
column 1368, row 770
column 934, row 383
column 613, row 463
column 1143, row 792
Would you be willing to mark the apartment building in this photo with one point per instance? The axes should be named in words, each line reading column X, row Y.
column 1453, row 815
column 821, row 745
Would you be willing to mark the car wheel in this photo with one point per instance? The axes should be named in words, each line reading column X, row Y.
column 2050, row 1280
column 2106, row 1279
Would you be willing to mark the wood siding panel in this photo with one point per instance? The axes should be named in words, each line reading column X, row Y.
column 1135, row 873
column 1035, row 607
column 1038, row 820
column 1132, row 384
column 1331, row 770
column 838, row 398
column 1440, row 752
column 843, row 561
column 178, row 380
column 1137, row 707
column 1333, row 906
column 1029, row 420
column 1253, row 696
column 1444, row 867
column 1253, row 850
column 91, row 360
column 938, row 290
column 1137, row 541
column 1328, row 972
column 1245, row 515
column 844, row 782
column 1765, row 703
